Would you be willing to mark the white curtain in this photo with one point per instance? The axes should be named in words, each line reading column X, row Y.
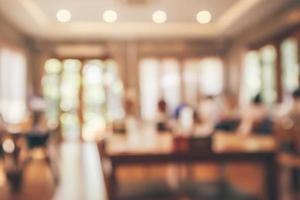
column 170, row 82
column 289, row 63
column 190, row 81
column 149, row 85
column 251, row 78
column 211, row 76
column 161, row 78
column 12, row 86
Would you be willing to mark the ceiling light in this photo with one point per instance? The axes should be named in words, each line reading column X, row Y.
column 110, row 16
column 159, row 16
column 203, row 17
column 63, row 15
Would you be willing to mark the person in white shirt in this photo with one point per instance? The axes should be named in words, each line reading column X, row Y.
column 255, row 113
column 209, row 112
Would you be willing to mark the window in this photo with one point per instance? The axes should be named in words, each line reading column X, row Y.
column 114, row 88
column 268, row 60
column 12, row 86
column 259, row 75
column 51, row 86
column 94, row 98
column 102, row 96
column 159, row 79
column 69, row 103
column 91, row 89
column 170, row 82
column 149, row 79
column 251, row 77
column 162, row 78
column 202, row 77
column 289, row 63
column 210, row 76
column 190, row 81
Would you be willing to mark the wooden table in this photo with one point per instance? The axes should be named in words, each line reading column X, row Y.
column 120, row 153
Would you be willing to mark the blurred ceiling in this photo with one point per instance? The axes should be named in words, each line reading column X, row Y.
column 135, row 10
column 37, row 18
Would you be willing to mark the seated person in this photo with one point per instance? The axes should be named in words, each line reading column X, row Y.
column 162, row 123
column 185, row 117
column 39, row 122
column 255, row 118
column 229, row 119
column 2, row 124
column 290, row 126
column 209, row 112
column 178, row 110
column 131, row 119
column 229, row 106
column 186, row 120
column 39, row 133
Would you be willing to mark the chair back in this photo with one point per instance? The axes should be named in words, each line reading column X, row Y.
column 37, row 139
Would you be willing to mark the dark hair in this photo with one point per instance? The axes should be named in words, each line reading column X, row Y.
column 36, row 116
column 296, row 94
column 210, row 97
column 257, row 99
column 162, row 105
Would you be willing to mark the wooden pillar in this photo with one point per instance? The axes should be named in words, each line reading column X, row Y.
column 298, row 41
column 80, row 108
column 226, row 74
column 132, row 71
column 233, row 70
column 36, row 62
column 182, row 81
column 278, row 67
column 118, row 52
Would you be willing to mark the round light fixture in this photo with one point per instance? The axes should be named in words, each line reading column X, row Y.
column 204, row 17
column 159, row 16
column 63, row 15
column 110, row 16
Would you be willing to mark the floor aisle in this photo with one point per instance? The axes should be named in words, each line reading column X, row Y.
column 80, row 177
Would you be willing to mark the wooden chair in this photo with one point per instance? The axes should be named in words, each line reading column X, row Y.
column 288, row 134
column 37, row 148
column 1, row 148
column 12, row 147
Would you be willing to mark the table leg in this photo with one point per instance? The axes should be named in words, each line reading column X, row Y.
column 113, row 177
column 272, row 180
column 113, row 182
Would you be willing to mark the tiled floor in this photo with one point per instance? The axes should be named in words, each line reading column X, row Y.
column 81, row 177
